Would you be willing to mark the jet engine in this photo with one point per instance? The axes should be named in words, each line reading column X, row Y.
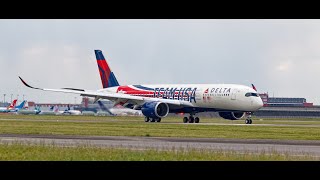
column 155, row 109
column 232, row 115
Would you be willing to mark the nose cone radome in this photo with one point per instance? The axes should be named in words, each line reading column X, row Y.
column 257, row 103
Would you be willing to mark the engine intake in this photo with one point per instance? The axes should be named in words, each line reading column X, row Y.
column 232, row 115
column 155, row 109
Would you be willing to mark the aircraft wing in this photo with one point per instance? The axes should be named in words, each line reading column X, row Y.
column 117, row 97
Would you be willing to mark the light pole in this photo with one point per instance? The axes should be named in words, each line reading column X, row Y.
column 22, row 97
column 4, row 98
column 17, row 97
column 11, row 97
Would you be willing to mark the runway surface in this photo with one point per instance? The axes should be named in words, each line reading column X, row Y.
column 294, row 147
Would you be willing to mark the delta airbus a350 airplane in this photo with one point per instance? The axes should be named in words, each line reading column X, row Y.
column 232, row 101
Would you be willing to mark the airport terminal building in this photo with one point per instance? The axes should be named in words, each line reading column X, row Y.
column 287, row 107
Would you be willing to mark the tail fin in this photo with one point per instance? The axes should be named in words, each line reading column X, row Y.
column 56, row 109
column 21, row 105
column 253, row 87
column 37, row 108
column 68, row 108
column 13, row 104
column 104, row 108
column 108, row 79
column 26, row 106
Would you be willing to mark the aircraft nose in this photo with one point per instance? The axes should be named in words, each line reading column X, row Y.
column 257, row 103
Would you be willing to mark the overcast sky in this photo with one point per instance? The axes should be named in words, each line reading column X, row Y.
column 281, row 57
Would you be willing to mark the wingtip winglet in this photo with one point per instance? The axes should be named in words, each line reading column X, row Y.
column 27, row 84
column 24, row 82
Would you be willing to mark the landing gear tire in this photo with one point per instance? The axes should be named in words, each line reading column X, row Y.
column 185, row 120
column 248, row 121
column 196, row 120
column 191, row 119
column 146, row 119
column 153, row 120
column 158, row 120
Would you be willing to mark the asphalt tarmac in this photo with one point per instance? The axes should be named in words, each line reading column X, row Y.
column 293, row 147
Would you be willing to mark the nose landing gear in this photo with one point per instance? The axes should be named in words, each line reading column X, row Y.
column 248, row 120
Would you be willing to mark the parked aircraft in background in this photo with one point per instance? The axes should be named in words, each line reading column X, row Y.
column 27, row 111
column 46, row 112
column 8, row 108
column 19, row 107
column 67, row 111
column 120, row 110
column 231, row 101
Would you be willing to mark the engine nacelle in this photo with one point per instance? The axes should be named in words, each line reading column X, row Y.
column 155, row 109
column 232, row 115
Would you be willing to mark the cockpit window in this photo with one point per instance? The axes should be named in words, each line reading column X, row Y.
column 252, row 94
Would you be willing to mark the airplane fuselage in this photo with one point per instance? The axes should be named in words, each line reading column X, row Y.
column 229, row 97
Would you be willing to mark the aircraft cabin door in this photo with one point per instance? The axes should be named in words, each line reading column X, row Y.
column 199, row 95
column 234, row 94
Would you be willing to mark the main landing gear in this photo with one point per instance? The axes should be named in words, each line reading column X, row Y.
column 248, row 120
column 147, row 119
column 191, row 119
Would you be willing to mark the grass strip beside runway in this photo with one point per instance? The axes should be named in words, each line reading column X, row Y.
column 19, row 152
column 134, row 126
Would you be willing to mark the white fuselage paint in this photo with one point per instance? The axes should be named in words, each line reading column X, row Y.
column 218, row 96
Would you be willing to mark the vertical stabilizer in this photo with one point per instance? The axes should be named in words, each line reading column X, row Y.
column 13, row 104
column 108, row 79
column 104, row 108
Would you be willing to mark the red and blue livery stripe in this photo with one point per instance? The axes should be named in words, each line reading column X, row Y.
column 108, row 79
column 136, row 90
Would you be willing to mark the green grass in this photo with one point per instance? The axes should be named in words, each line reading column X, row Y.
column 135, row 126
column 256, row 120
column 19, row 152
